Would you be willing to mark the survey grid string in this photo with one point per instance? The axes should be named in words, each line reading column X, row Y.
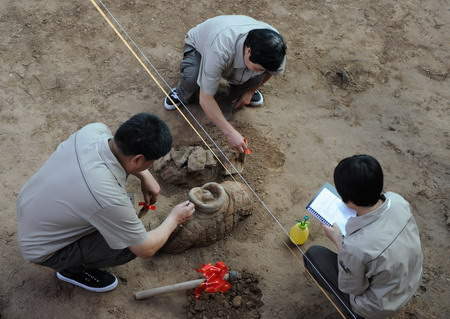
column 213, row 142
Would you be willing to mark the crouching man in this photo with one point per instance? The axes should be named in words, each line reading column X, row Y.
column 74, row 214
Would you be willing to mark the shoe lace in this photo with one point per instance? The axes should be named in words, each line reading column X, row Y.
column 91, row 276
column 174, row 95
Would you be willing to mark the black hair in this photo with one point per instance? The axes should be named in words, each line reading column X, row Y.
column 359, row 179
column 267, row 48
column 145, row 134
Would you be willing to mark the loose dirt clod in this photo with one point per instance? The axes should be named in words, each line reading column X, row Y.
column 243, row 300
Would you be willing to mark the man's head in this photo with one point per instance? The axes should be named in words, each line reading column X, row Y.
column 359, row 179
column 267, row 48
column 144, row 134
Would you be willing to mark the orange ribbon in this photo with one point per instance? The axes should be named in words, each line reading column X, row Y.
column 247, row 150
column 214, row 279
column 146, row 206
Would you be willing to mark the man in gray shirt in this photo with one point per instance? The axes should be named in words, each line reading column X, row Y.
column 74, row 214
column 244, row 51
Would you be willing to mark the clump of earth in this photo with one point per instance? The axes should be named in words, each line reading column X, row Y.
column 242, row 300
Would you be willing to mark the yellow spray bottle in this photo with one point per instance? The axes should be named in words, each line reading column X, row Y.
column 299, row 232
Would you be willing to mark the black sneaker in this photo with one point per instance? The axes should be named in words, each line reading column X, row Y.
column 257, row 99
column 168, row 103
column 90, row 279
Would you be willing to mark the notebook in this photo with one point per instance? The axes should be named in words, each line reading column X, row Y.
column 328, row 207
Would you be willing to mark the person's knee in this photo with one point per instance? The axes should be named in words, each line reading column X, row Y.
column 314, row 250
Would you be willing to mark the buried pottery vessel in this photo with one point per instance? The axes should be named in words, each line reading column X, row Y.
column 218, row 209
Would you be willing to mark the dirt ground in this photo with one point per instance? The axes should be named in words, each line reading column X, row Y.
column 362, row 77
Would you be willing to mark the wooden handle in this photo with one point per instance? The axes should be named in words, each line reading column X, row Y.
column 171, row 288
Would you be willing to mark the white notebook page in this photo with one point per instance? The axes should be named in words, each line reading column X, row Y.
column 332, row 209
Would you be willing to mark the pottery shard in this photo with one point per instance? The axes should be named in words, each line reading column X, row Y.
column 180, row 157
column 197, row 159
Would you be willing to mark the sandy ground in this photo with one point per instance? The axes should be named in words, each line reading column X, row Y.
column 63, row 67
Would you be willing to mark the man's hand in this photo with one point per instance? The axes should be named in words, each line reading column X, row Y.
column 244, row 99
column 157, row 237
column 334, row 234
column 236, row 141
column 182, row 212
column 213, row 112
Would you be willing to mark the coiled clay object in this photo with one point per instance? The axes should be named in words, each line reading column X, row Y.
column 218, row 209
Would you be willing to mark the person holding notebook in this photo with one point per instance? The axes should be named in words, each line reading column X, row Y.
column 378, row 266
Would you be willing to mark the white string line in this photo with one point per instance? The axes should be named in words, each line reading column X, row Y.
column 195, row 119
column 223, row 154
column 165, row 82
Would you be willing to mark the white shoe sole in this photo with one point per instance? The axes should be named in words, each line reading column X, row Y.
column 76, row 283
column 169, row 107
column 260, row 102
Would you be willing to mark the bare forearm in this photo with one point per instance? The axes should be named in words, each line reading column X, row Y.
column 214, row 113
column 144, row 175
column 157, row 237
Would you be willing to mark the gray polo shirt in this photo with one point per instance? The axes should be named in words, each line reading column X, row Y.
column 220, row 41
column 383, row 256
column 79, row 189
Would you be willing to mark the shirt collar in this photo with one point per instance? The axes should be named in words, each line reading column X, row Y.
column 239, row 57
column 111, row 162
column 358, row 222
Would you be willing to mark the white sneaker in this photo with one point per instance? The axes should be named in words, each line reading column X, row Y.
column 168, row 103
column 257, row 99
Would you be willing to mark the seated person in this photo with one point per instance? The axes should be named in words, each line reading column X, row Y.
column 378, row 266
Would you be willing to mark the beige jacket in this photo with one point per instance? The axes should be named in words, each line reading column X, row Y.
column 380, row 263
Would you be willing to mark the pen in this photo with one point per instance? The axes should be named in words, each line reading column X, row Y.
column 341, row 263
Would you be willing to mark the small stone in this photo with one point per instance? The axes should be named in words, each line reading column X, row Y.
column 180, row 157
column 162, row 162
column 197, row 160
column 172, row 175
column 199, row 305
column 210, row 159
column 237, row 301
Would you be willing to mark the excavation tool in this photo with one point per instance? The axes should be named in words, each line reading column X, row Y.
column 230, row 276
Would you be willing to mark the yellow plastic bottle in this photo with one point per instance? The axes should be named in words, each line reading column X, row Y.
column 299, row 232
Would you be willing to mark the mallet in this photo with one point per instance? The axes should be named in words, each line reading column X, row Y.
column 230, row 276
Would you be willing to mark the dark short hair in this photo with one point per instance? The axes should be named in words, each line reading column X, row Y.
column 267, row 48
column 145, row 134
column 359, row 179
